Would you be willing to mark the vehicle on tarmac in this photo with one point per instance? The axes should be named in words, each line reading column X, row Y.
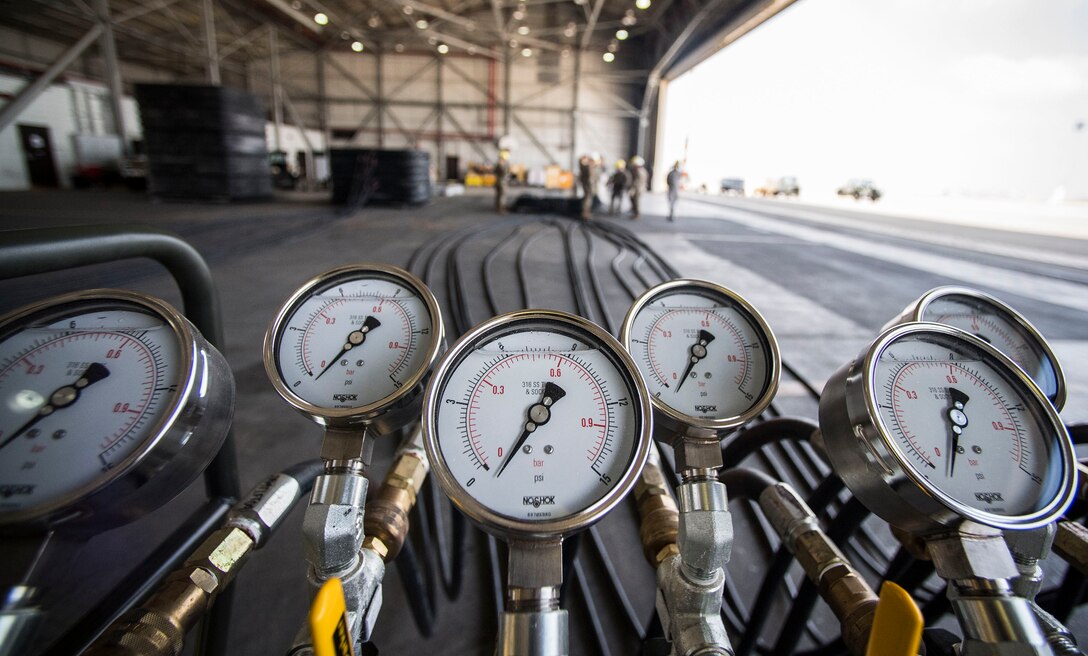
column 732, row 186
column 785, row 186
column 860, row 188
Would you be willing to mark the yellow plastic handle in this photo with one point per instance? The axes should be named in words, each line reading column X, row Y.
column 897, row 627
column 329, row 621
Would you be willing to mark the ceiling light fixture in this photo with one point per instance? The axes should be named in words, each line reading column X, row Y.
column 622, row 35
column 421, row 24
column 357, row 46
column 321, row 19
column 608, row 57
column 523, row 30
column 527, row 52
column 443, row 48
column 642, row 4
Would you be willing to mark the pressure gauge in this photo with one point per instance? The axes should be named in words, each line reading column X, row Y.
column 709, row 359
column 992, row 321
column 110, row 404
column 352, row 346
column 536, row 424
column 931, row 425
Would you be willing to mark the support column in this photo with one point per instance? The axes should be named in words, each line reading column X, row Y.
column 507, row 112
column 113, row 71
column 323, row 107
column 440, row 150
column 576, row 84
column 274, row 68
column 654, row 156
column 210, row 45
column 380, row 98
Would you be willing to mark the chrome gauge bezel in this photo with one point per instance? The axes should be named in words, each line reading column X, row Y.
column 503, row 526
column 177, row 447
column 391, row 409
column 877, row 471
column 915, row 312
column 671, row 422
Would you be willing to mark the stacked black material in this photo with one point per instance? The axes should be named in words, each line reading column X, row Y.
column 361, row 175
column 204, row 142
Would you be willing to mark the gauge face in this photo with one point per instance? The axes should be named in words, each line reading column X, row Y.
column 704, row 352
column 967, row 425
column 79, row 393
column 537, row 420
column 998, row 325
column 354, row 338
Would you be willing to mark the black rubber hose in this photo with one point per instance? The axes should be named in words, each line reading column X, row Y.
column 305, row 473
column 614, row 580
column 591, row 609
column 745, row 482
column 759, row 435
column 485, row 269
column 414, row 589
column 523, row 278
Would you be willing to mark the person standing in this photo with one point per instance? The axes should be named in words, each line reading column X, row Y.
column 638, row 183
column 673, row 180
column 589, row 176
column 502, row 175
column 618, row 183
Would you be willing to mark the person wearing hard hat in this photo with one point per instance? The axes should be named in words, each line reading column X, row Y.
column 638, row 183
column 502, row 174
column 618, row 183
column 673, row 181
column 589, row 176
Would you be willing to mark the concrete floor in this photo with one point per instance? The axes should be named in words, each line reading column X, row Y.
column 825, row 284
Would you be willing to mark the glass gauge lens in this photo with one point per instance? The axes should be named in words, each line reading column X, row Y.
column 703, row 351
column 79, row 393
column 965, row 422
column 537, row 419
column 1001, row 327
column 354, row 337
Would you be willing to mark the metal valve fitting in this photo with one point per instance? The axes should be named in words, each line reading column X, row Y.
column 160, row 625
column 660, row 519
column 847, row 594
column 386, row 521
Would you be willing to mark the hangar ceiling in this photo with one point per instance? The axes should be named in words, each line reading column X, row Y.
column 666, row 37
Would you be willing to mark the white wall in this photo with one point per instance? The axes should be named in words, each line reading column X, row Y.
column 413, row 77
column 68, row 109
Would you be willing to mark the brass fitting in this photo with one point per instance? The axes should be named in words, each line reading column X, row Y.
column 386, row 517
column 159, row 626
column 660, row 519
column 914, row 544
column 1071, row 543
column 841, row 586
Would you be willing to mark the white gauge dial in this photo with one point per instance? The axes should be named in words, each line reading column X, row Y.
column 77, row 397
column 538, row 421
column 966, row 424
column 998, row 325
column 353, row 340
column 704, row 352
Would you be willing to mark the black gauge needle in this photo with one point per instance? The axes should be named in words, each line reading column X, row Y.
column 539, row 413
column 696, row 353
column 957, row 421
column 63, row 397
column 354, row 338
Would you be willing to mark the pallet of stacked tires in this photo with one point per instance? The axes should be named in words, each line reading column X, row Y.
column 204, row 143
column 393, row 177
